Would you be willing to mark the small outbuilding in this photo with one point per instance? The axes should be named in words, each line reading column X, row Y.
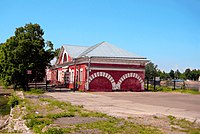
column 102, row 67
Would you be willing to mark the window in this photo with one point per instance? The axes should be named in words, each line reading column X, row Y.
column 72, row 76
column 81, row 75
column 65, row 58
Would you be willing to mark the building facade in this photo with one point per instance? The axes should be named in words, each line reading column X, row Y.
column 102, row 67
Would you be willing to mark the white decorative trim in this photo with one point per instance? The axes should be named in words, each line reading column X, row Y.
column 112, row 81
column 65, row 67
column 102, row 74
column 117, row 69
column 63, row 54
column 121, row 63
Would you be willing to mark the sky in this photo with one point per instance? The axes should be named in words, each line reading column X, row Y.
column 167, row 32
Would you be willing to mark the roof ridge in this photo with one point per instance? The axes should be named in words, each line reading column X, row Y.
column 90, row 49
column 74, row 45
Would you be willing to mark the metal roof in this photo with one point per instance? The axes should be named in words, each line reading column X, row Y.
column 75, row 51
column 102, row 49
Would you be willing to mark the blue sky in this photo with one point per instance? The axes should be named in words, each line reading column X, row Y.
column 165, row 31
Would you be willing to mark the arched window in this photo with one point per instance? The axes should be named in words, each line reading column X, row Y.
column 65, row 58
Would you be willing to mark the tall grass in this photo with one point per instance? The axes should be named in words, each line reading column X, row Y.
column 4, row 107
column 168, row 89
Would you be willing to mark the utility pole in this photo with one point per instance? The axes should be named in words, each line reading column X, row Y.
column 154, row 83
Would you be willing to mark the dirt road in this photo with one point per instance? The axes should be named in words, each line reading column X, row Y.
column 131, row 104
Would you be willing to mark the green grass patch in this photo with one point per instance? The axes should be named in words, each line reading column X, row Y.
column 59, row 115
column 185, row 125
column 4, row 107
column 54, row 131
column 168, row 89
column 59, row 104
column 35, row 91
column 93, row 114
column 13, row 100
column 44, row 111
column 115, row 125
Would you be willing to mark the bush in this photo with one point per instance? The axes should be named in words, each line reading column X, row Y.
column 13, row 101
column 4, row 107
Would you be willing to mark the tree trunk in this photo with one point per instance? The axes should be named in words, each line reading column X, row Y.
column 147, row 84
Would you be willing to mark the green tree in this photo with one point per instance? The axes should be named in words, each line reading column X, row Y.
column 56, row 54
column 150, row 72
column 172, row 74
column 182, row 76
column 163, row 75
column 188, row 74
column 26, row 50
column 177, row 74
column 195, row 74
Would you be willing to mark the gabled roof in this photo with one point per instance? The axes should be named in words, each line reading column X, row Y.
column 75, row 51
column 105, row 49
column 102, row 49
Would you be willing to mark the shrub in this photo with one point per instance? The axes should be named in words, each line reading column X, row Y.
column 4, row 107
column 13, row 101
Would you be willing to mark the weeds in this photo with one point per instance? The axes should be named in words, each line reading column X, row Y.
column 59, row 115
column 115, row 125
column 48, row 110
column 93, row 114
column 54, row 131
column 35, row 91
column 4, row 107
column 168, row 89
column 185, row 125
column 13, row 100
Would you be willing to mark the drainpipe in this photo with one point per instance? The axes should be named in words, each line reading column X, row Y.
column 74, row 74
column 88, row 74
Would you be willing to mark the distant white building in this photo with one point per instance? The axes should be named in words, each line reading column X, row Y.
column 199, row 78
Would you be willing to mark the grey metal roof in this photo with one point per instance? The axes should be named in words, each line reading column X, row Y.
column 75, row 51
column 102, row 49
column 105, row 49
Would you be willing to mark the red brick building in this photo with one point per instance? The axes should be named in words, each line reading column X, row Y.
column 102, row 67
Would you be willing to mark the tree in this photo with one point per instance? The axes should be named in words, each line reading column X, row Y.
column 163, row 75
column 56, row 54
column 26, row 50
column 177, row 74
column 188, row 74
column 172, row 74
column 194, row 74
column 150, row 72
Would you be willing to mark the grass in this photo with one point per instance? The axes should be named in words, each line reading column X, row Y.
column 168, row 89
column 35, row 91
column 4, row 107
column 44, row 111
column 184, row 125
column 54, row 131
column 93, row 114
column 116, row 125
column 13, row 100
column 41, row 113
column 59, row 115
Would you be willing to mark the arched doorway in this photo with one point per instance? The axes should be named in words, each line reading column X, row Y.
column 100, row 84
column 131, row 84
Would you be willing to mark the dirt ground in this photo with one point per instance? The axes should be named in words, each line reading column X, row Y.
column 125, row 104
column 145, row 108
